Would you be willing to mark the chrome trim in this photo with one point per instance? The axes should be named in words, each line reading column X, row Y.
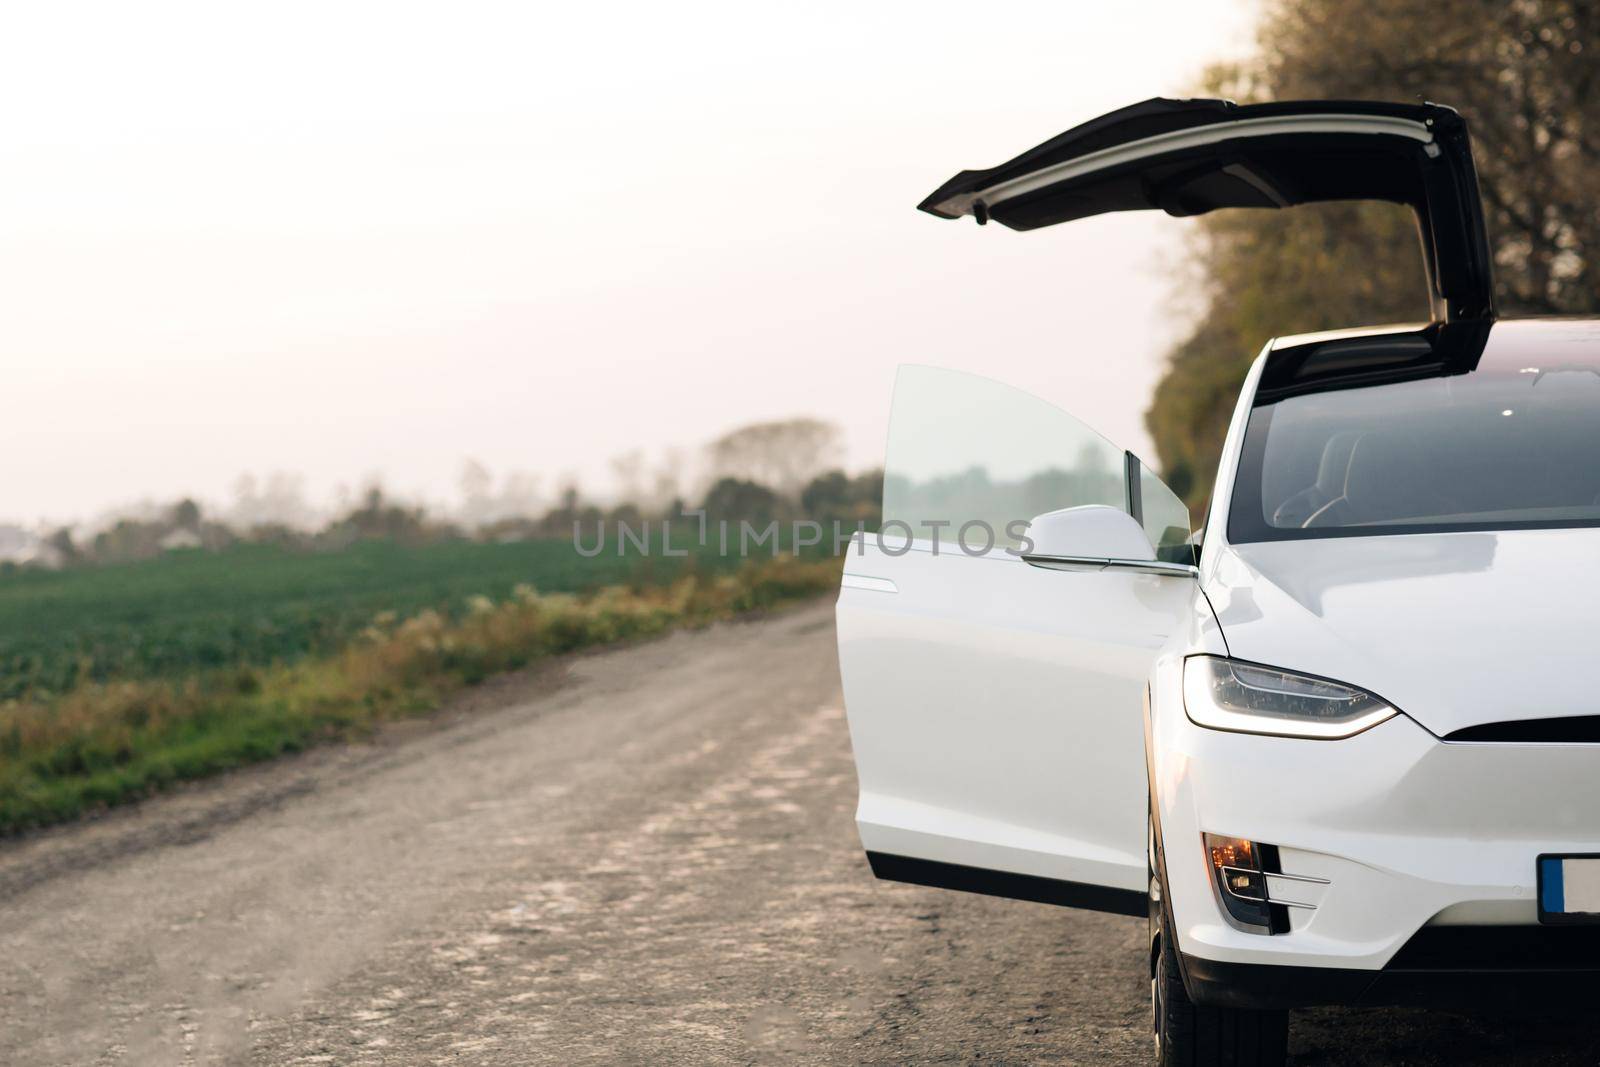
column 1292, row 904
column 1179, row 140
column 1298, row 878
column 1096, row 563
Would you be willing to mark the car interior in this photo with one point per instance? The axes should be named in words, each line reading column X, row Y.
column 1447, row 465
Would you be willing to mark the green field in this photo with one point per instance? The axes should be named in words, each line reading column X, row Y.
column 257, row 604
column 122, row 680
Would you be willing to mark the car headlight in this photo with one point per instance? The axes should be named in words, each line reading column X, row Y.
column 1226, row 694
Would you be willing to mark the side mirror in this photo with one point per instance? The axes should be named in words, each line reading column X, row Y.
column 1095, row 537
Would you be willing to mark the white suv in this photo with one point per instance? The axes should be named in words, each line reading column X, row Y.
column 1367, row 768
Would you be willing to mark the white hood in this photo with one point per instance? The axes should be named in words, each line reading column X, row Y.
column 1454, row 629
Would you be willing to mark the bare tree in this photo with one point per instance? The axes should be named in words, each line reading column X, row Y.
column 783, row 455
column 628, row 471
column 476, row 485
column 281, row 502
column 519, row 495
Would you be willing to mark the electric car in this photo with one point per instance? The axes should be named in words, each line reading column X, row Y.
column 1341, row 743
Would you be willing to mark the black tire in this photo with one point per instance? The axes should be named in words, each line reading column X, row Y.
column 1192, row 1035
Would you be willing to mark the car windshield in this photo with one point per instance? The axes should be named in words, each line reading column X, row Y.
column 1513, row 444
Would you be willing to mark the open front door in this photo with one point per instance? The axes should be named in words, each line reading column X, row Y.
column 1187, row 157
column 995, row 708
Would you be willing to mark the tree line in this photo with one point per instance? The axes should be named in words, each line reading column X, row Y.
column 1523, row 74
column 781, row 470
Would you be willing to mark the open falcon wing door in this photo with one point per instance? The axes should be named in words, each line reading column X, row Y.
column 1188, row 157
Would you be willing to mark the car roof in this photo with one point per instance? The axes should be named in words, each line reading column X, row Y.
column 1342, row 359
column 1572, row 328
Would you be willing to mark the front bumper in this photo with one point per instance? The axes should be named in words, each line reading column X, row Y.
column 1391, row 833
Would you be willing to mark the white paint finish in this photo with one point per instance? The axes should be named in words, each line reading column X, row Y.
column 1453, row 629
column 862, row 581
column 1092, row 530
column 1224, row 129
column 1215, row 533
column 1407, row 830
column 1295, row 891
column 994, row 709
column 1520, row 912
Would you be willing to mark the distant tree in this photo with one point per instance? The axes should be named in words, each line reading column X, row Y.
column 275, row 534
column 216, row 536
column 736, row 499
column 476, row 485
column 129, row 539
column 628, row 471
column 483, row 506
column 868, row 485
column 379, row 518
column 666, row 482
column 559, row 520
column 835, row 496
column 282, row 502
column 186, row 515
column 519, row 495
column 826, row 495
column 1527, row 78
column 66, row 549
column 783, row 455
column 628, row 513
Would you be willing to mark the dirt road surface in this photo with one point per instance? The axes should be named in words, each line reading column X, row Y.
column 641, row 856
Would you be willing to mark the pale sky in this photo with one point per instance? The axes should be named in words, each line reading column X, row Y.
column 380, row 238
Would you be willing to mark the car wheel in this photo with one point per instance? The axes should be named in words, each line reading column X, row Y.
column 1193, row 1035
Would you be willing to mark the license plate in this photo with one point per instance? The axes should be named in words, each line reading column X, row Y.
column 1569, row 889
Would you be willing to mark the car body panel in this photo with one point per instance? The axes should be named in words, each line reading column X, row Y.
column 1402, row 829
column 1448, row 627
column 994, row 710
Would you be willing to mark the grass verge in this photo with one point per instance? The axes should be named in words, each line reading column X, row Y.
column 107, row 743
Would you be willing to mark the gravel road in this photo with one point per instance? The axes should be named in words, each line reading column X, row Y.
column 642, row 856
